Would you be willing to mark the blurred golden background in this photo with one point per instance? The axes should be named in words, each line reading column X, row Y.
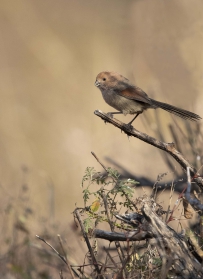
column 51, row 52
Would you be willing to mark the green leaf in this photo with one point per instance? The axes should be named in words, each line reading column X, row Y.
column 87, row 224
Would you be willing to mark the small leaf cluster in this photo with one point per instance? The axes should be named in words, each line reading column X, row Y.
column 118, row 194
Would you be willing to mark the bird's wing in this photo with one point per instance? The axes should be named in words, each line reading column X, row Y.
column 135, row 93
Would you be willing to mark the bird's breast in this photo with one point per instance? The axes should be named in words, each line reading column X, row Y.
column 120, row 103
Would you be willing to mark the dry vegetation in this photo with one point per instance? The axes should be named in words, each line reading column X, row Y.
column 127, row 235
column 144, row 245
column 50, row 54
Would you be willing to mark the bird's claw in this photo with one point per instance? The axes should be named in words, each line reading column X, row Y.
column 129, row 126
column 109, row 114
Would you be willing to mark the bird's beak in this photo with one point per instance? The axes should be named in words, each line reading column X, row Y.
column 97, row 84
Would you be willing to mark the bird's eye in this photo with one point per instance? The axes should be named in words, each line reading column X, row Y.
column 104, row 79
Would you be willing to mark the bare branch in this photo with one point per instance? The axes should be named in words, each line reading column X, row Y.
column 47, row 243
column 167, row 147
column 172, row 247
column 87, row 242
column 65, row 256
column 195, row 203
column 127, row 236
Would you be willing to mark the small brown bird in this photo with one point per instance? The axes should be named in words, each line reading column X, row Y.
column 127, row 98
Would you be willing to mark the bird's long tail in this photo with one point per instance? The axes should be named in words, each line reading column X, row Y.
column 177, row 111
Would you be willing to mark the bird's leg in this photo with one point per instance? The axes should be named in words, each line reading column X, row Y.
column 129, row 124
column 110, row 114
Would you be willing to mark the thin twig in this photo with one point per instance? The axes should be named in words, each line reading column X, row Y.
column 99, row 161
column 62, row 248
column 90, row 264
column 65, row 256
column 110, row 257
column 170, row 201
column 117, row 244
column 47, row 243
column 87, row 242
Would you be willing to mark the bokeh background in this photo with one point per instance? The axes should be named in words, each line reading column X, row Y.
column 50, row 54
